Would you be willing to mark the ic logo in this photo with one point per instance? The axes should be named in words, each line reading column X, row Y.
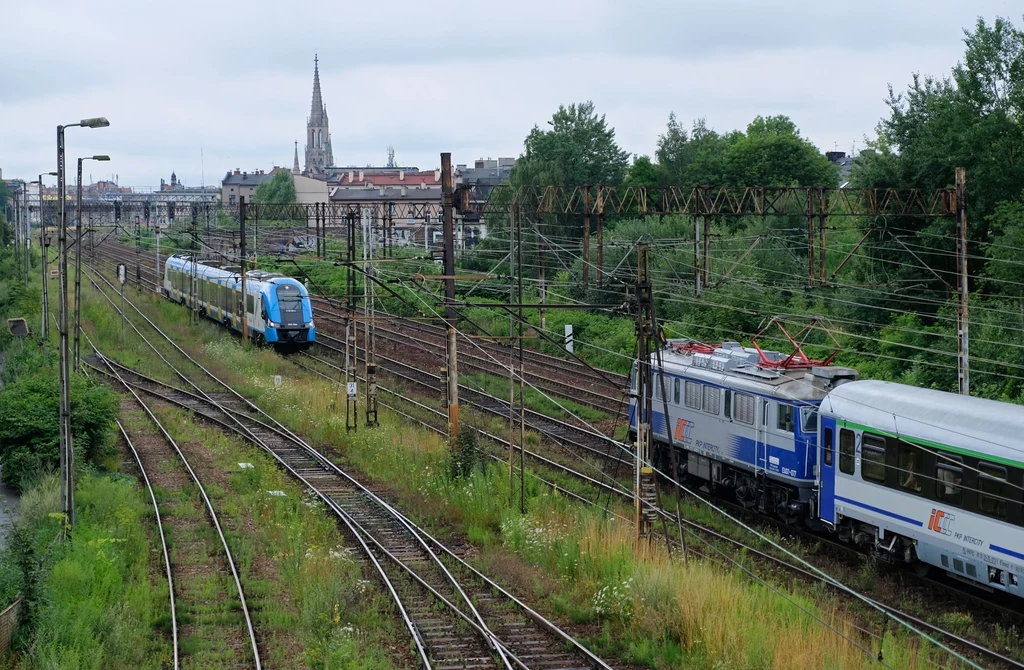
column 683, row 428
column 939, row 522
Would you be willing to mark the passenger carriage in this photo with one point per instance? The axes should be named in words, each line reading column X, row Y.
column 922, row 474
column 277, row 308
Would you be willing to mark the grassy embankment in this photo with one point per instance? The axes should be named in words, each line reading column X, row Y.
column 569, row 559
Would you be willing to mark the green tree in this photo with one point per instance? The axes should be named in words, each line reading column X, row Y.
column 579, row 148
column 5, row 193
column 772, row 153
column 279, row 190
column 691, row 158
column 642, row 172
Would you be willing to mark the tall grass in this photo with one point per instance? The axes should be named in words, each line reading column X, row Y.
column 100, row 606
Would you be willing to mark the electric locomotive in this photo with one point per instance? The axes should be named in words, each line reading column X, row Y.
column 277, row 308
column 743, row 422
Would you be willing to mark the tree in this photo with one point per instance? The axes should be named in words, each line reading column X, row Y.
column 772, row 153
column 279, row 190
column 578, row 149
column 5, row 193
column 642, row 172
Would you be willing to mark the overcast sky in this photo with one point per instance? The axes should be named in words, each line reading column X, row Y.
column 204, row 87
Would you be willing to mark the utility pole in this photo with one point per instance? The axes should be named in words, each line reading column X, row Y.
column 241, row 251
column 963, row 362
column 28, row 234
column 450, row 315
column 17, row 233
column 351, row 286
column 586, row 236
column 66, row 449
column 541, row 273
column 44, row 250
column 369, row 345
column 645, row 491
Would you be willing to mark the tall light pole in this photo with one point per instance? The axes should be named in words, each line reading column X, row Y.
column 67, row 480
column 78, row 255
column 44, row 253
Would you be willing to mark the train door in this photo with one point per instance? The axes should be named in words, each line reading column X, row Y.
column 827, row 471
column 761, row 436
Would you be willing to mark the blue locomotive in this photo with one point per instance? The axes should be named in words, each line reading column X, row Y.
column 278, row 309
column 915, row 476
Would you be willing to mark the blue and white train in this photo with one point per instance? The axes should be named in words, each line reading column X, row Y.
column 278, row 309
column 916, row 476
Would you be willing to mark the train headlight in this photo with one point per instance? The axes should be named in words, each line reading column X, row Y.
column 309, row 324
column 273, row 324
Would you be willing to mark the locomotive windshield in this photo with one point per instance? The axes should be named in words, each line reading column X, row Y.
column 290, row 302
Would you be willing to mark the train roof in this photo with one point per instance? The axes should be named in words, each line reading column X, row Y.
column 983, row 427
column 215, row 268
column 735, row 366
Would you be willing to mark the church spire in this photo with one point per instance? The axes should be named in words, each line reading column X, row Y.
column 318, row 136
column 317, row 108
column 295, row 165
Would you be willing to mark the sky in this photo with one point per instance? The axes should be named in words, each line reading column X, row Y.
column 201, row 88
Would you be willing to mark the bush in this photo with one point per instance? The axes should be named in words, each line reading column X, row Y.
column 30, row 419
column 463, row 457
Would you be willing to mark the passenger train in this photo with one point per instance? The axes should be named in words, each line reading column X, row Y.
column 278, row 309
column 916, row 476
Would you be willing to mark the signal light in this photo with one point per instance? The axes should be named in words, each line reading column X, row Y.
column 117, row 210
column 170, row 211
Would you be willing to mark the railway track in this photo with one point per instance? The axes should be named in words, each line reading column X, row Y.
column 457, row 617
column 431, row 383
column 710, row 543
column 217, row 626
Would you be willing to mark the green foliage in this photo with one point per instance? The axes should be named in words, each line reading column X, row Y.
column 29, row 417
column 770, row 153
column 463, row 458
column 642, row 172
column 95, row 606
column 5, row 193
column 578, row 149
column 280, row 189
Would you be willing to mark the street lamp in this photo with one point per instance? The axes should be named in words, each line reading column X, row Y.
column 78, row 255
column 67, row 481
column 44, row 252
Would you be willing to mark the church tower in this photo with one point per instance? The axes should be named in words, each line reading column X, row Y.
column 318, row 135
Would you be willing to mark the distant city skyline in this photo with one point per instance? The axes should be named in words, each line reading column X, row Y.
column 200, row 89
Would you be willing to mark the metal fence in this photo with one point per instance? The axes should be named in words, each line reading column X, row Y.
column 8, row 624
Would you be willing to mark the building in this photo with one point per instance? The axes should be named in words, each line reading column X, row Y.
column 319, row 156
column 243, row 184
column 844, row 163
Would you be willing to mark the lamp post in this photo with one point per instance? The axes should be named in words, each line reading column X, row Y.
column 67, row 481
column 44, row 253
column 78, row 256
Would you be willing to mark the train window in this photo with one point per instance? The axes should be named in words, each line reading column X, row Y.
column 827, row 446
column 712, row 396
column 727, row 406
column 950, row 471
column 784, row 419
column 872, row 458
column 693, row 395
column 250, row 304
column 846, row 449
column 910, row 461
column 992, row 489
column 658, row 380
column 743, row 410
column 676, row 385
